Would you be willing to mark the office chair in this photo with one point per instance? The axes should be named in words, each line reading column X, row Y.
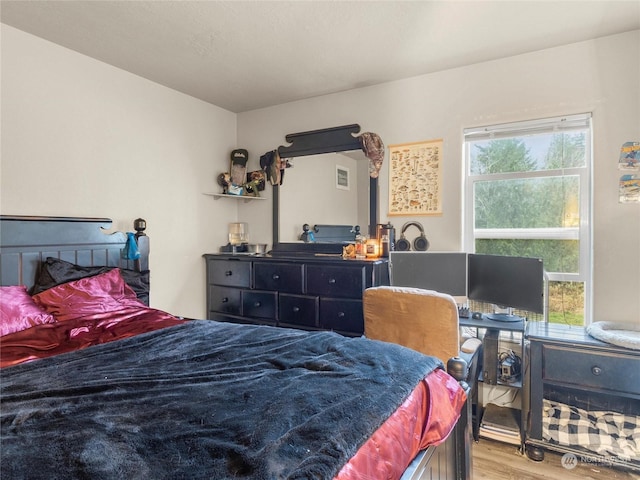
column 425, row 321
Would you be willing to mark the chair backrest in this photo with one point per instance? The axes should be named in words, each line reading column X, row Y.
column 423, row 320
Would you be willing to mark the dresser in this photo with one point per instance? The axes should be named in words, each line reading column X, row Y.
column 305, row 292
column 570, row 367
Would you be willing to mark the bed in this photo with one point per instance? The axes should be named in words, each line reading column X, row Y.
column 97, row 384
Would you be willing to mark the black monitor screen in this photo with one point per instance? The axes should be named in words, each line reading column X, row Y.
column 516, row 282
column 444, row 272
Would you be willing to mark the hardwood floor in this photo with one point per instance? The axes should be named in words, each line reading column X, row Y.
column 501, row 461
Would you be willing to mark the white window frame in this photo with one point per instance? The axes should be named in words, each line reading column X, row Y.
column 583, row 232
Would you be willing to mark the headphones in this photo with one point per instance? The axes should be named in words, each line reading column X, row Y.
column 420, row 243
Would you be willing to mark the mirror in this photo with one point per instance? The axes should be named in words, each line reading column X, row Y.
column 327, row 184
column 325, row 189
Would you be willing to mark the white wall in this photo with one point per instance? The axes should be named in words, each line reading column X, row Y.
column 600, row 76
column 82, row 138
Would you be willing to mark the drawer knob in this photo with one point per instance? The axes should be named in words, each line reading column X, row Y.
column 228, row 273
column 295, row 309
column 332, row 281
column 276, row 276
column 225, row 300
column 340, row 314
column 256, row 304
column 596, row 370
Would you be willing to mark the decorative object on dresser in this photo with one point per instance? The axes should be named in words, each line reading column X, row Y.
column 307, row 292
column 595, row 384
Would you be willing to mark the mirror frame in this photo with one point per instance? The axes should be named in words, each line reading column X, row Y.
column 327, row 140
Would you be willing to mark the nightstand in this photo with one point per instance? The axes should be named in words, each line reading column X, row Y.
column 568, row 367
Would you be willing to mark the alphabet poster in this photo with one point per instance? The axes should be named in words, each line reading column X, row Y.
column 415, row 178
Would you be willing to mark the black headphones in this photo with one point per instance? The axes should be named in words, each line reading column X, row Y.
column 420, row 243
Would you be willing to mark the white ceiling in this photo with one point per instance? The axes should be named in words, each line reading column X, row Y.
column 243, row 55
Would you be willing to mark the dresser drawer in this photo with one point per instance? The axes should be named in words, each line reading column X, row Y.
column 231, row 273
column 281, row 277
column 299, row 310
column 259, row 304
column 342, row 315
column 225, row 300
column 330, row 281
column 610, row 371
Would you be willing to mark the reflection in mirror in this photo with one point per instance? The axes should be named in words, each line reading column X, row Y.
column 330, row 188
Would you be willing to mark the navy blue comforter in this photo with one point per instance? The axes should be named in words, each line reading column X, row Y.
column 202, row 400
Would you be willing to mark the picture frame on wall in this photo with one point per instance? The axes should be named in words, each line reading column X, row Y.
column 342, row 177
column 415, row 178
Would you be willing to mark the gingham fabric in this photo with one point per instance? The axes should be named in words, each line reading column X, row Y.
column 602, row 432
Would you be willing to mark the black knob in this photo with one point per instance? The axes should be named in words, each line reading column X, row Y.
column 340, row 314
column 140, row 225
column 276, row 276
column 256, row 304
column 296, row 309
column 228, row 273
column 225, row 300
column 332, row 281
column 457, row 368
column 596, row 370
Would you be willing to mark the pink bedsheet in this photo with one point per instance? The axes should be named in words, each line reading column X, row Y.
column 61, row 337
column 426, row 418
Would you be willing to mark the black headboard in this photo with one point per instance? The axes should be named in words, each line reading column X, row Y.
column 25, row 241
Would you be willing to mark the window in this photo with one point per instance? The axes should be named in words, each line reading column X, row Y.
column 528, row 193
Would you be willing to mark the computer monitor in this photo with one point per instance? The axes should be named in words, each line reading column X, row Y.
column 444, row 272
column 508, row 282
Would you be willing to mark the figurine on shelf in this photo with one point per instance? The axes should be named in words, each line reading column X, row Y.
column 224, row 180
column 255, row 183
column 239, row 158
column 251, row 188
column 228, row 187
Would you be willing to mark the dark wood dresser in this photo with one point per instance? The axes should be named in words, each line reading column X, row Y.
column 306, row 292
column 569, row 366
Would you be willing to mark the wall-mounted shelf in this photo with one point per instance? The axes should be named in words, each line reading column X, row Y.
column 246, row 198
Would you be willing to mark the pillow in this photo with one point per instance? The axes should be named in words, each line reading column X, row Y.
column 54, row 271
column 88, row 297
column 18, row 311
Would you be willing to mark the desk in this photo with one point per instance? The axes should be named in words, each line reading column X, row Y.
column 490, row 368
column 491, row 324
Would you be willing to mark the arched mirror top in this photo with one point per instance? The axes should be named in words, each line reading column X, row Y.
column 319, row 144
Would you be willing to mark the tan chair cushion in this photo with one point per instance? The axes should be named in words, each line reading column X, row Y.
column 423, row 320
